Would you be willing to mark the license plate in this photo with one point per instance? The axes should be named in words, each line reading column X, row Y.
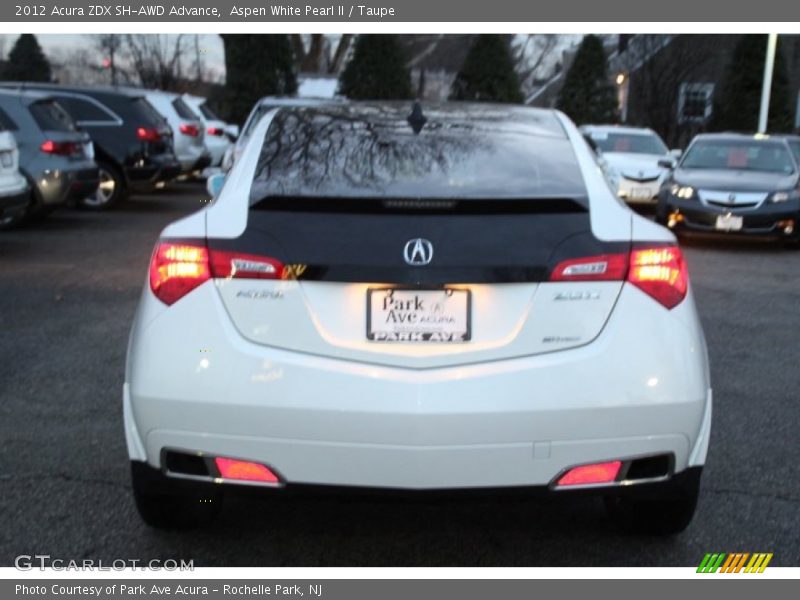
column 729, row 223
column 641, row 194
column 436, row 316
column 6, row 159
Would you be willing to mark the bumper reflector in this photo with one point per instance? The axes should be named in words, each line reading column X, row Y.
column 241, row 470
column 588, row 474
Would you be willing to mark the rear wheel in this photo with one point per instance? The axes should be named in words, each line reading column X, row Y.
column 666, row 515
column 165, row 503
column 109, row 191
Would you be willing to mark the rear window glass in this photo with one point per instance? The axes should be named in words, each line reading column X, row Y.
column 144, row 112
column 208, row 114
column 740, row 155
column 50, row 116
column 375, row 152
column 85, row 110
column 184, row 112
column 631, row 143
column 795, row 146
column 6, row 123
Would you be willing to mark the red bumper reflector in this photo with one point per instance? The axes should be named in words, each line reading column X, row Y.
column 587, row 474
column 242, row 470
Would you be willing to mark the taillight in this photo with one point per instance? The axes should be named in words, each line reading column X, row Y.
column 189, row 129
column 658, row 271
column 217, row 131
column 178, row 268
column 148, row 134
column 60, row 148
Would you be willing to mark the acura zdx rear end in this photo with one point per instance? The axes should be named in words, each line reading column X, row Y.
column 417, row 298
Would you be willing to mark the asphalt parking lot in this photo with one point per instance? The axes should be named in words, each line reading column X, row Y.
column 68, row 290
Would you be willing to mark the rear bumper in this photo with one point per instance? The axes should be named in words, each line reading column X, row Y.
column 145, row 177
column 192, row 163
column 769, row 219
column 60, row 186
column 15, row 200
column 318, row 420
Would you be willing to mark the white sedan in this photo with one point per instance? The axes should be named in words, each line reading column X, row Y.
column 413, row 298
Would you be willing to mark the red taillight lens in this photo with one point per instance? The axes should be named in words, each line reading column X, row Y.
column 217, row 131
column 660, row 273
column 588, row 474
column 243, row 470
column 148, row 134
column 605, row 267
column 178, row 268
column 189, row 129
column 60, row 148
column 244, row 266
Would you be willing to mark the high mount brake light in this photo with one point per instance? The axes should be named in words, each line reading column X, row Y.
column 659, row 271
column 178, row 268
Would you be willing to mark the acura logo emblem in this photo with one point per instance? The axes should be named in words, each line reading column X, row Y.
column 732, row 198
column 418, row 252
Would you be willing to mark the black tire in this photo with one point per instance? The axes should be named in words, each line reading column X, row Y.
column 112, row 188
column 668, row 514
column 164, row 503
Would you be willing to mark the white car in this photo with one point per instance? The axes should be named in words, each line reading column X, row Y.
column 219, row 135
column 15, row 193
column 418, row 299
column 630, row 157
column 187, row 130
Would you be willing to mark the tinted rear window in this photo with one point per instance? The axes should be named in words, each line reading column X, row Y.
column 6, row 123
column 49, row 115
column 144, row 113
column 626, row 142
column 362, row 152
column 740, row 155
column 795, row 146
column 208, row 114
column 183, row 110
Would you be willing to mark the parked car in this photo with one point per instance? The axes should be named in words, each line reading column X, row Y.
column 417, row 298
column 132, row 142
column 630, row 156
column 15, row 193
column 261, row 108
column 219, row 135
column 55, row 158
column 734, row 183
column 188, row 130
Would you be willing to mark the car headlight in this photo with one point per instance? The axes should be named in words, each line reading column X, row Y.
column 785, row 196
column 685, row 192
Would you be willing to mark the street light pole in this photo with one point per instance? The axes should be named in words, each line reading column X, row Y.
column 766, row 88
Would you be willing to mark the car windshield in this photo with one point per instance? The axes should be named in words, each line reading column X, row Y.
column 740, row 155
column 49, row 115
column 378, row 152
column 630, row 143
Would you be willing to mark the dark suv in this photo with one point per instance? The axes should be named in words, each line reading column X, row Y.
column 54, row 156
column 133, row 143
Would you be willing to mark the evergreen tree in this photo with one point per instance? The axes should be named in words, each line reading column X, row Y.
column 738, row 102
column 487, row 74
column 587, row 95
column 256, row 66
column 26, row 61
column 377, row 70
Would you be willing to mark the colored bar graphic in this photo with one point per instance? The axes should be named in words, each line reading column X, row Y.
column 735, row 562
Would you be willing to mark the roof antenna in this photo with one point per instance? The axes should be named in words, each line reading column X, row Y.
column 416, row 119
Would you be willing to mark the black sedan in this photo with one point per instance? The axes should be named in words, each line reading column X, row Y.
column 734, row 183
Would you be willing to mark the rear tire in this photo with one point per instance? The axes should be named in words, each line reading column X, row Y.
column 669, row 514
column 165, row 503
column 110, row 190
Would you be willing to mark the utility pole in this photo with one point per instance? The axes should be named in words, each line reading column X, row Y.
column 766, row 88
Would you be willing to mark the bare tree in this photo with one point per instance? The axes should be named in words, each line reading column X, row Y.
column 157, row 59
column 110, row 47
column 532, row 57
column 319, row 53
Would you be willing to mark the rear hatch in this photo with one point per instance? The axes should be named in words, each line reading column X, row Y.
column 62, row 138
column 154, row 134
column 459, row 275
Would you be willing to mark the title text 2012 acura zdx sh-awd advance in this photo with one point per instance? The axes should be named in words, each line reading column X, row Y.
column 417, row 298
